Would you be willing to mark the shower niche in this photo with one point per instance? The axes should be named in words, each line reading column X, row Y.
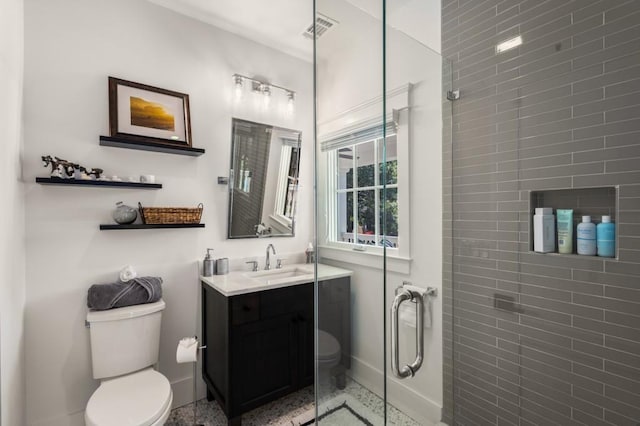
column 595, row 202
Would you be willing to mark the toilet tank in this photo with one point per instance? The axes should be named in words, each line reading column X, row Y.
column 124, row 340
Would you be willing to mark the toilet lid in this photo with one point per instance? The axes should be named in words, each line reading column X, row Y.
column 137, row 399
column 328, row 346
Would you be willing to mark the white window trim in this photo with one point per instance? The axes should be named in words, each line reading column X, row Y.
column 359, row 118
column 370, row 259
column 283, row 186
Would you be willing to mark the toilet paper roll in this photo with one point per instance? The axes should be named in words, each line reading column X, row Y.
column 408, row 313
column 187, row 350
column 127, row 274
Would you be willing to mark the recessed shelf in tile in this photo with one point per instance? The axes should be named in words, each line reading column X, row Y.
column 595, row 202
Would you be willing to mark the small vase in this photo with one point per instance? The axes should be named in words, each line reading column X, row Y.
column 124, row 215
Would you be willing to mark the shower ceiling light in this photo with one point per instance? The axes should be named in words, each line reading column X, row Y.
column 509, row 44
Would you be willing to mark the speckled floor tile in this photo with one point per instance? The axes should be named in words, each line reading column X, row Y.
column 282, row 411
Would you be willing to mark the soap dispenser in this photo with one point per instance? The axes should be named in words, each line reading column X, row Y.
column 208, row 264
column 310, row 254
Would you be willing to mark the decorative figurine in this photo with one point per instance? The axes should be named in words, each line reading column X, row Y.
column 68, row 166
column 96, row 173
column 57, row 170
column 63, row 169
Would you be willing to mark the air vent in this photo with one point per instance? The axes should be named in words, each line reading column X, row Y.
column 323, row 24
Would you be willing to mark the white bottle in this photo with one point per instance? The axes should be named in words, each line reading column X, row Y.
column 587, row 237
column 544, row 230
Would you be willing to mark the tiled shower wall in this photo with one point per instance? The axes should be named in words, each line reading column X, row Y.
column 560, row 111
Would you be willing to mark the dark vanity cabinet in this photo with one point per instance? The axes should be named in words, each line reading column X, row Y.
column 260, row 345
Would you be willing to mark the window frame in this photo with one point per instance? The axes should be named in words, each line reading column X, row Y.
column 377, row 187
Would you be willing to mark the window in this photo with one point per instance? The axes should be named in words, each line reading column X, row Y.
column 363, row 177
column 366, row 214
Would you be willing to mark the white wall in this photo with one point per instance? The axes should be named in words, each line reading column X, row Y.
column 12, row 247
column 419, row 19
column 351, row 74
column 71, row 48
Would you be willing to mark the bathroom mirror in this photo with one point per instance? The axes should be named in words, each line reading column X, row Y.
column 263, row 180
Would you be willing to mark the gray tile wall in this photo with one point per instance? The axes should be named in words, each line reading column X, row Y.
column 536, row 339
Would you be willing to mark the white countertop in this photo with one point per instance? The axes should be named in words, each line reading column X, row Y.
column 241, row 282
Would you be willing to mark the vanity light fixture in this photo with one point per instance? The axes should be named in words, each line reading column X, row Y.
column 512, row 43
column 263, row 88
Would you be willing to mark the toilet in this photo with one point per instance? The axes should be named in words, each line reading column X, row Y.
column 328, row 357
column 124, row 348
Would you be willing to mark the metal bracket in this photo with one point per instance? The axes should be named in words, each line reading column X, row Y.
column 430, row 291
column 453, row 95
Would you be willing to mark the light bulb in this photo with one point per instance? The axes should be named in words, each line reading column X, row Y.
column 239, row 82
column 266, row 94
column 291, row 101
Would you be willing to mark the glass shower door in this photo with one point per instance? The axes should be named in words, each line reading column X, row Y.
column 417, row 84
column 351, row 130
column 379, row 159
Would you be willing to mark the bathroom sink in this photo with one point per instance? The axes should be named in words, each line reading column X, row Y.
column 275, row 276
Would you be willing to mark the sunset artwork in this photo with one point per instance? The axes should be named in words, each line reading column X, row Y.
column 150, row 114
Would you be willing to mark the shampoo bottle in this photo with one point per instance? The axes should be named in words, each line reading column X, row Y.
column 586, row 237
column 606, row 236
column 565, row 230
column 544, row 230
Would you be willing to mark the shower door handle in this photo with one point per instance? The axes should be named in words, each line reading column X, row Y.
column 405, row 295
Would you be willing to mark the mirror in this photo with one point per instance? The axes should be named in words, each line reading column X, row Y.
column 263, row 180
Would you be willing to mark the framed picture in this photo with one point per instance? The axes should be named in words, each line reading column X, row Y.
column 142, row 113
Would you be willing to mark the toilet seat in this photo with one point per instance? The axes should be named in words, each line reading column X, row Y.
column 140, row 399
column 328, row 347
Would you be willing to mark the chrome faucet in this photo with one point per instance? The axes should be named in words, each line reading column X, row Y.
column 267, row 263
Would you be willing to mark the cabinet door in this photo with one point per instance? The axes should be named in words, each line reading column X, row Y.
column 264, row 359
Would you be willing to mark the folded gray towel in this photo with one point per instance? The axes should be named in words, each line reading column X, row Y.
column 116, row 295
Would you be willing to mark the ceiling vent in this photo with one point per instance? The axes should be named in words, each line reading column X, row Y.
column 323, row 24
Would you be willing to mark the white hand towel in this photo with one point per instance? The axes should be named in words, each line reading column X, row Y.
column 127, row 274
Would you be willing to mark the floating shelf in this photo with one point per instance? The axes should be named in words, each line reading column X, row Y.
column 103, row 183
column 150, row 226
column 150, row 146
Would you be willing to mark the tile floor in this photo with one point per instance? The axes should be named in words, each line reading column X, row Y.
column 282, row 411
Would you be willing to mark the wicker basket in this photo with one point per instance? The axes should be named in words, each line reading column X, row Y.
column 173, row 215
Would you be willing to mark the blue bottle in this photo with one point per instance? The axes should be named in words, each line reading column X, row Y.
column 586, row 237
column 606, row 237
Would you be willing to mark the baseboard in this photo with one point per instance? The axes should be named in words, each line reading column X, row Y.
column 418, row 407
column 71, row 419
column 183, row 391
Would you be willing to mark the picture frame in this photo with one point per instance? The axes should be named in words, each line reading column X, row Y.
column 147, row 114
